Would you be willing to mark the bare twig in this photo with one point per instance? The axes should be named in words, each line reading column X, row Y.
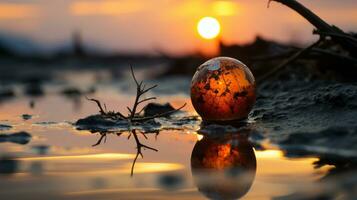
column 111, row 114
column 150, row 88
column 345, row 36
column 147, row 99
column 101, row 110
column 142, row 109
column 129, row 109
column 313, row 51
column 133, row 116
column 287, row 61
column 140, row 90
column 133, row 75
column 334, row 54
column 307, row 14
column 321, row 25
column 272, row 57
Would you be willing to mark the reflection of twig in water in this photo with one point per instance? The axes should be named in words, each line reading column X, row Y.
column 134, row 116
column 102, row 135
column 139, row 145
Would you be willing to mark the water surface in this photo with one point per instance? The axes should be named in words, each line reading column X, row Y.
column 59, row 161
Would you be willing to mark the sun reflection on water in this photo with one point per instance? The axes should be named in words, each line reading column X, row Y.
column 105, row 156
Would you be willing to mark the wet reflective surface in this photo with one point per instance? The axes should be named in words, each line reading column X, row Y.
column 58, row 161
column 223, row 167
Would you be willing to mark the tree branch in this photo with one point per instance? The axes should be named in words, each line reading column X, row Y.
column 287, row 62
column 134, row 116
column 321, row 25
column 147, row 99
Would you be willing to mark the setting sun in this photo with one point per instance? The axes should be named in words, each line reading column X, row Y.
column 208, row 27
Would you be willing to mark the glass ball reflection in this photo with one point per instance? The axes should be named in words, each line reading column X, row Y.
column 223, row 89
column 223, row 167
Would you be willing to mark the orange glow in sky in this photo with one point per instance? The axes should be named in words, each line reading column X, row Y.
column 105, row 7
column 13, row 11
column 165, row 25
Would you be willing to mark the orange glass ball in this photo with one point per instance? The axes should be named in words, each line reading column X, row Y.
column 223, row 89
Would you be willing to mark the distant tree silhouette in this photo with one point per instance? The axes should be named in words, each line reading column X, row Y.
column 78, row 49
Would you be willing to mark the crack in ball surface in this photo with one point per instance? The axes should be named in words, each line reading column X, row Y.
column 223, row 89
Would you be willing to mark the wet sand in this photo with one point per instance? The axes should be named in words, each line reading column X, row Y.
column 59, row 161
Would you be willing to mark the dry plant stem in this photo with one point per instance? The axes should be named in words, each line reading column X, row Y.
column 320, row 24
column 272, row 57
column 324, row 29
column 336, row 55
column 307, row 14
column 101, row 110
column 140, row 90
column 287, row 62
column 314, row 51
column 345, row 36
column 133, row 116
column 107, row 114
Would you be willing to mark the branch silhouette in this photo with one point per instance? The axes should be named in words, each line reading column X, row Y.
column 133, row 117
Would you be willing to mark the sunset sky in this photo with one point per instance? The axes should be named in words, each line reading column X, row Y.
column 164, row 25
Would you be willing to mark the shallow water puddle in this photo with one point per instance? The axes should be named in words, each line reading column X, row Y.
column 59, row 162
